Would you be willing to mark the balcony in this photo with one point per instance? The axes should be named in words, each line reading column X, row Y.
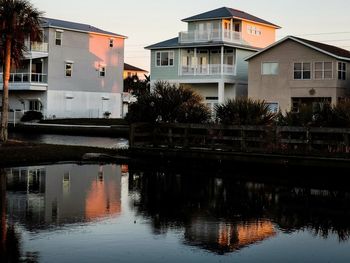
column 208, row 70
column 39, row 47
column 26, row 81
column 197, row 36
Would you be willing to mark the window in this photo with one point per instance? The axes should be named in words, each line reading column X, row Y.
column 58, row 38
column 102, row 71
column 341, row 70
column 165, row 58
column 111, row 42
column 269, row 68
column 302, row 70
column 323, row 70
column 68, row 69
column 273, row 107
column 253, row 30
column 34, row 105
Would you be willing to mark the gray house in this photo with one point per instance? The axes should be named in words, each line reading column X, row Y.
column 210, row 56
column 77, row 71
column 295, row 71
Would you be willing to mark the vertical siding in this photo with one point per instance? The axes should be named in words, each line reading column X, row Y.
column 242, row 65
column 88, row 51
column 164, row 73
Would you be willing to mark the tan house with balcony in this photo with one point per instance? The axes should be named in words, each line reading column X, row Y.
column 77, row 71
column 295, row 71
column 210, row 55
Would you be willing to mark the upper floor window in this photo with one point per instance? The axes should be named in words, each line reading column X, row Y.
column 165, row 58
column 253, row 30
column 58, row 38
column 102, row 71
column 341, row 70
column 323, row 70
column 68, row 69
column 269, row 68
column 302, row 70
column 111, row 42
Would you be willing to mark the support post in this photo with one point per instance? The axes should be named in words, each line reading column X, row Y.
column 221, row 91
column 222, row 61
column 30, row 69
column 195, row 61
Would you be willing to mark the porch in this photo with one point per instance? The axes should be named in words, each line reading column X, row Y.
column 30, row 76
column 208, row 62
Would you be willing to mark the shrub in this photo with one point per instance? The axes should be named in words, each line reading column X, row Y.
column 169, row 103
column 32, row 116
column 244, row 112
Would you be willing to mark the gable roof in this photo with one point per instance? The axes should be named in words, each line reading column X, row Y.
column 333, row 51
column 62, row 24
column 226, row 12
column 133, row 68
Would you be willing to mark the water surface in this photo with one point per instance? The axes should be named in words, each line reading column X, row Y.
column 111, row 213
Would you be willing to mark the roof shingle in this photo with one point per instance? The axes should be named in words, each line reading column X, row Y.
column 50, row 22
column 226, row 12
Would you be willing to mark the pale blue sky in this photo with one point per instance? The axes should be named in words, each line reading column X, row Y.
column 148, row 22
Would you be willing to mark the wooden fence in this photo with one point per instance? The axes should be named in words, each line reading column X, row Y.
column 258, row 139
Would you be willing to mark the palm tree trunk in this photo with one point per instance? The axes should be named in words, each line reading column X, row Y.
column 5, row 93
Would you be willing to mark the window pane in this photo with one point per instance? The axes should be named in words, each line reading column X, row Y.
column 270, row 68
column 318, row 75
column 328, row 74
column 318, row 66
column 307, row 66
column 307, row 75
column 164, row 58
column 328, row 66
column 297, row 66
column 297, row 74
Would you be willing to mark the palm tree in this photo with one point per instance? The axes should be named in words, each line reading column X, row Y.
column 18, row 21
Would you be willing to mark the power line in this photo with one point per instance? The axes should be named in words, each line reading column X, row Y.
column 318, row 34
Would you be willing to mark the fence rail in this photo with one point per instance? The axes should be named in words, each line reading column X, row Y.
column 258, row 139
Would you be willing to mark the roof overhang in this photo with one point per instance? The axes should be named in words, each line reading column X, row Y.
column 300, row 42
column 232, row 17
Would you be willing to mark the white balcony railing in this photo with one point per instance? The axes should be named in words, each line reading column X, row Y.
column 26, row 78
column 39, row 47
column 208, row 70
column 197, row 36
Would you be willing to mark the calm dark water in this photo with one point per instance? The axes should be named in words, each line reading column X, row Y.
column 110, row 213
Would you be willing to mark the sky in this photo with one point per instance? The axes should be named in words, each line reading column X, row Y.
column 147, row 22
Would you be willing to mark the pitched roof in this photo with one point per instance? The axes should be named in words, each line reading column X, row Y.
column 56, row 23
column 174, row 43
column 333, row 51
column 225, row 12
column 133, row 68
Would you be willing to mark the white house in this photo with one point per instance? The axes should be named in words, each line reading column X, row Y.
column 77, row 71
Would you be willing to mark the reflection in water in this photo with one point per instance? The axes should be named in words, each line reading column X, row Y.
column 42, row 197
column 223, row 215
column 98, row 208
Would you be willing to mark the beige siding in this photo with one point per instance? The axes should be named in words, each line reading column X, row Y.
column 282, row 87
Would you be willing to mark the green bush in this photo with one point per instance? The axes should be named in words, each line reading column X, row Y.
column 318, row 115
column 244, row 112
column 169, row 103
column 32, row 116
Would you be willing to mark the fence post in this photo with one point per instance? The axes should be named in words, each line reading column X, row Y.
column 132, row 135
column 243, row 142
column 170, row 137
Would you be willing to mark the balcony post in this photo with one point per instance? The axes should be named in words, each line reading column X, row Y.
column 30, row 70
column 222, row 60
column 221, row 91
column 195, row 61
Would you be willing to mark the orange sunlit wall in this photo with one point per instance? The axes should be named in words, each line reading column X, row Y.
column 112, row 58
column 266, row 38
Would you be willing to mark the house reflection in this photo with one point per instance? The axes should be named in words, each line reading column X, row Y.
column 221, row 237
column 224, row 214
column 41, row 197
